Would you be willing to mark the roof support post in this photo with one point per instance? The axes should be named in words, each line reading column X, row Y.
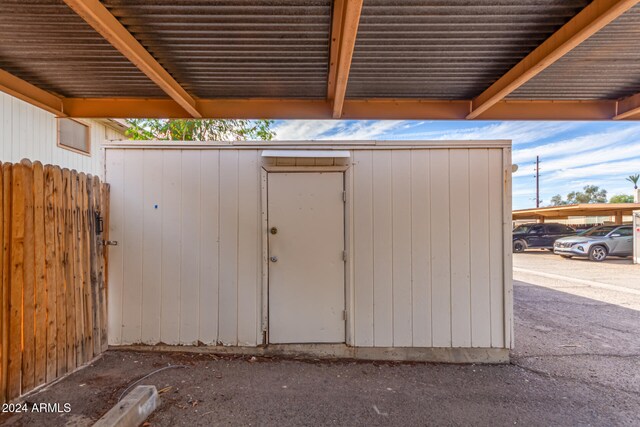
column 29, row 93
column 97, row 15
column 344, row 28
column 589, row 21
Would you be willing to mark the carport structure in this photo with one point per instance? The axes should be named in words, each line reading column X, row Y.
column 312, row 59
column 617, row 210
column 303, row 59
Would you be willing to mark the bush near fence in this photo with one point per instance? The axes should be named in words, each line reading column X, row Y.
column 52, row 274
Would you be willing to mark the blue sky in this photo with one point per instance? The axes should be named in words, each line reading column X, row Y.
column 573, row 154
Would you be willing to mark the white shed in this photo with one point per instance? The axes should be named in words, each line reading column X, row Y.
column 388, row 250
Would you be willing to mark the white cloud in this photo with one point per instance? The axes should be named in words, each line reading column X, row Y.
column 336, row 130
column 518, row 132
column 579, row 144
column 304, row 129
column 620, row 169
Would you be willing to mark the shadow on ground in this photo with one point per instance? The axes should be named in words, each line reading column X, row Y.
column 577, row 362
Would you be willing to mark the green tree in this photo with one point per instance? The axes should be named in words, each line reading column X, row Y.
column 200, row 129
column 621, row 198
column 557, row 200
column 634, row 180
column 591, row 194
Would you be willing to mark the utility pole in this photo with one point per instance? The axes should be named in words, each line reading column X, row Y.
column 537, row 181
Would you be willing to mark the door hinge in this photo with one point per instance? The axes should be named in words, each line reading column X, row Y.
column 344, row 196
column 344, row 255
column 344, row 314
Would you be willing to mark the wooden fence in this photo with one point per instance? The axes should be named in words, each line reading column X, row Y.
column 52, row 273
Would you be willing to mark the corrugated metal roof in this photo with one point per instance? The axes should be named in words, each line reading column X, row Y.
column 235, row 48
column 605, row 66
column 427, row 49
column 47, row 44
column 451, row 49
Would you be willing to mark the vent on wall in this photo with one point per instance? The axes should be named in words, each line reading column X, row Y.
column 74, row 135
column 306, row 157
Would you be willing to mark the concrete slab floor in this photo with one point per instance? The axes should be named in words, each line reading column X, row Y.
column 577, row 362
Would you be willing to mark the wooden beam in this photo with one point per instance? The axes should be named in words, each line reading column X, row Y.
column 371, row 109
column 334, row 46
column 404, row 109
column 96, row 15
column 27, row 92
column 628, row 107
column 210, row 108
column 550, row 110
column 590, row 20
column 344, row 29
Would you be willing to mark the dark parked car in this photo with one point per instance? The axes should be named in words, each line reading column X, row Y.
column 539, row 236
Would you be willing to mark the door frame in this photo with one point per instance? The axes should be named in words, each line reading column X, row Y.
column 263, row 325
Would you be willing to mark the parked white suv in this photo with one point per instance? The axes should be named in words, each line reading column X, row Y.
column 597, row 243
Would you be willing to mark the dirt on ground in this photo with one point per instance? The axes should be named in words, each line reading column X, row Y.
column 576, row 362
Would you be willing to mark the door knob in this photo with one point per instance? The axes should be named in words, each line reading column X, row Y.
column 274, row 230
column 274, row 259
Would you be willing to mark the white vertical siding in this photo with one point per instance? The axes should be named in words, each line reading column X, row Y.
column 420, row 248
column 151, row 245
column 228, row 229
column 428, row 233
column 363, row 249
column 382, row 247
column 30, row 132
column 401, row 248
column 115, row 166
column 190, row 256
column 190, row 246
column 427, row 237
column 171, row 242
column 132, row 245
column 209, row 244
column 249, row 246
column 459, row 212
column 440, row 265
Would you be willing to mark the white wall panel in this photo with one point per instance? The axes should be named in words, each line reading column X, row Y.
column 496, row 249
column 420, row 248
column 170, row 209
column 433, row 250
column 190, row 255
column 427, row 255
column 249, row 245
column 481, row 257
column 115, row 165
column 401, row 248
column 209, row 246
column 362, row 255
column 440, row 215
column 382, row 248
column 228, row 275
column 132, row 246
column 151, row 246
column 460, row 212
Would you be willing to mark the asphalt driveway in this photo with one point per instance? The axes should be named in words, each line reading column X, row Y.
column 577, row 362
column 612, row 271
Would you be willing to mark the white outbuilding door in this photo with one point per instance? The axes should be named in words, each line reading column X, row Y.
column 306, row 265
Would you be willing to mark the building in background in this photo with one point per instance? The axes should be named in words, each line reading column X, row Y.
column 29, row 132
